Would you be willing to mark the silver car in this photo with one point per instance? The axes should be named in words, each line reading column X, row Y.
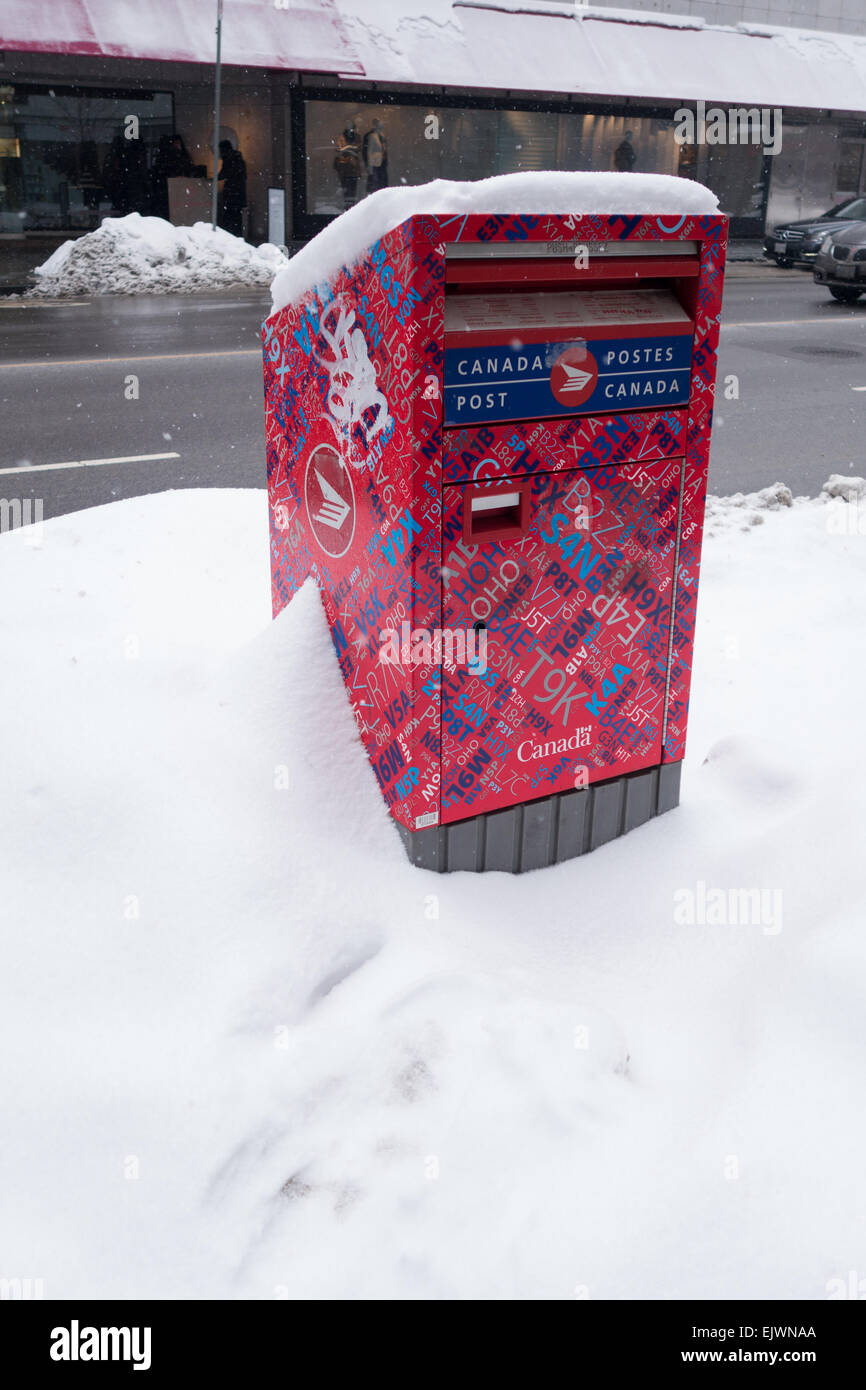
column 841, row 263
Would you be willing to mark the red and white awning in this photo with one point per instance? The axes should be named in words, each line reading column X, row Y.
column 304, row 34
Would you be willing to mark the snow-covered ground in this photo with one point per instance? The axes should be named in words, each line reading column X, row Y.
column 147, row 255
column 250, row 1051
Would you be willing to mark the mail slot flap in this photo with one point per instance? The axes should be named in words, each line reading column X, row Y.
column 520, row 356
column 562, row 271
column 533, row 250
column 547, row 314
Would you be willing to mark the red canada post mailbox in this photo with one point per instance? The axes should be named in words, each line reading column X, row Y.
column 488, row 438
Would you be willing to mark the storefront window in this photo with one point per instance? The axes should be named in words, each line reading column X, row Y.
column 355, row 148
column 69, row 157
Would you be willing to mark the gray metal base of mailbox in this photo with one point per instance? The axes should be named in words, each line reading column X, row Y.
column 536, row 834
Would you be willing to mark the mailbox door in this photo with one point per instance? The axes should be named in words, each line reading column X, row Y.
column 570, row 575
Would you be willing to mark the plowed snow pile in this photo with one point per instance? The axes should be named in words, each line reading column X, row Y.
column 147, row 255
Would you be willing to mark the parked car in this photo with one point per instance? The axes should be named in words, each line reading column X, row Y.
column 798, row 243
column 841, row 263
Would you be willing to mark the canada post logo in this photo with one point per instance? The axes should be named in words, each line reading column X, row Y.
column 573, row 376
column 330, row 501
column 539, row 380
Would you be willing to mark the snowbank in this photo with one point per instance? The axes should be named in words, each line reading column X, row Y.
column 147, row 255
column 249, row 1051
column 846, row 486
column 345, row 240
column 745, row 509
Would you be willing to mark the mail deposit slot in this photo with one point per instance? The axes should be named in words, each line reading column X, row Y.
column 545, row 354
column 487, row 439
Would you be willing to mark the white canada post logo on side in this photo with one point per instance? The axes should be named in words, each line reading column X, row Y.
column 75, row 1343
column 330, row 501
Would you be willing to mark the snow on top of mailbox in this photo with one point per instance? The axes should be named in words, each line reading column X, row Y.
column 345, row 240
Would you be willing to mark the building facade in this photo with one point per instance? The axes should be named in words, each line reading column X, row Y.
column 329, row 99
column 840, row 16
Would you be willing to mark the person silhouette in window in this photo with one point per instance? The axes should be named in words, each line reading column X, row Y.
column 233, row 195
column 171, row 161
column 125, row 175
column 624, row 156
column 347, row 164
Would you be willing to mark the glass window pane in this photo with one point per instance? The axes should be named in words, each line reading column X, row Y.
column 850, row 167
column 735, row 175
column 65, row 159
column 354, row 148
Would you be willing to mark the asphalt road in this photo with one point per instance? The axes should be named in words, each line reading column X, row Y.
column 800, row 362
column 65, row 394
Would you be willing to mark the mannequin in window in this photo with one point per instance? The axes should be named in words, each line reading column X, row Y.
column 375, row 151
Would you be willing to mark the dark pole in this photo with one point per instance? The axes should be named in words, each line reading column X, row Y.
column 216, row 115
